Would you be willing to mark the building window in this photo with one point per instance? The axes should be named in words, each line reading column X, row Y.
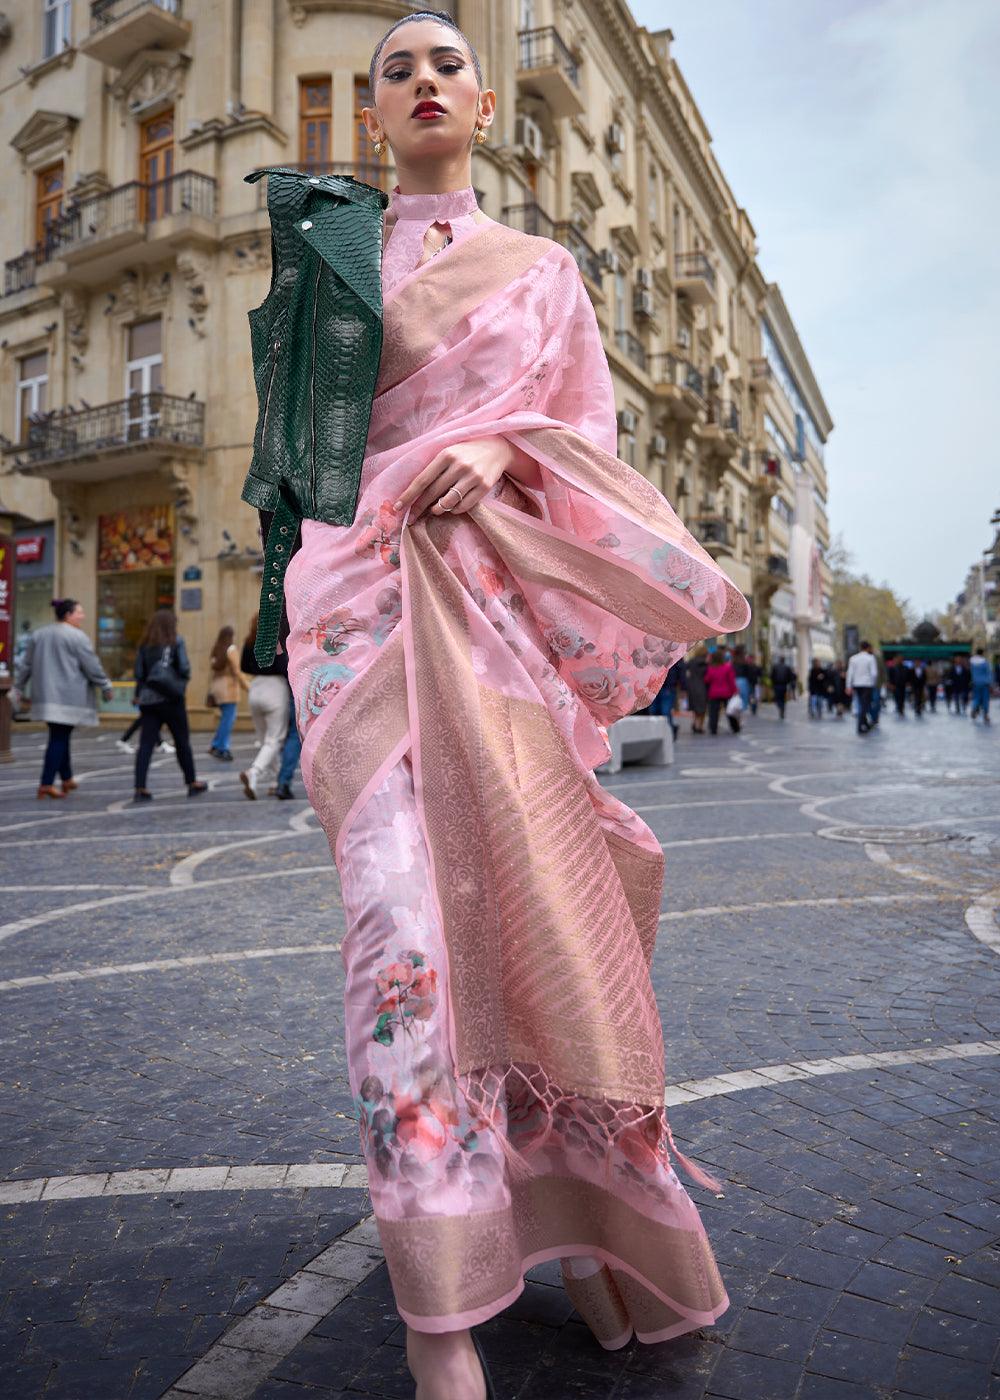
column 32, row 390
column 315, row 115
column 49, row 185
column 622, row 316
column 56, row 16
column 678, row 234
column 143, row 378
column 156, row 166
column 367, row 166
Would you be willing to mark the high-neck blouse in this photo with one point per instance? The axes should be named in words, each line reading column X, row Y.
column 407, row 220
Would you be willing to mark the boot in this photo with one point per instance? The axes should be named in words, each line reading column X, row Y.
column 48, row 790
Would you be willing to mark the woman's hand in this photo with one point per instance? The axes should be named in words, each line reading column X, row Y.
column 461, row 476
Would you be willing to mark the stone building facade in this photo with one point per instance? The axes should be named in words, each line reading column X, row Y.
column 133, row 249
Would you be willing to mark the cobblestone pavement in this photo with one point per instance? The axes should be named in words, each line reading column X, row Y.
column 183, row 1205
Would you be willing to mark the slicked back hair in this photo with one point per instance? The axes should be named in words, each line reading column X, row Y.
column 442, row 18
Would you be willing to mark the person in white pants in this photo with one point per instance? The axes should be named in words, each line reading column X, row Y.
column 269, row 707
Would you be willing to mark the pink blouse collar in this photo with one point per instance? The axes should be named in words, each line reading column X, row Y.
column 433, row 208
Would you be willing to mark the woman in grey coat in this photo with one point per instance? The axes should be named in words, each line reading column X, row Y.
column 63, row 670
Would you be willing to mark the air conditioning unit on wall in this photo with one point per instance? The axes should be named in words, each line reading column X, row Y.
column 715, row 377
column 683, row 486
column 643, row 277
column 658, row 445
column 614, row 138
column 642, row 303
column 628, row 421
column 528, row 138
column 610, row 261
column 684, row 337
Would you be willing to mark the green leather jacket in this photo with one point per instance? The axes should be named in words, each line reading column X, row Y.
column 316, row 341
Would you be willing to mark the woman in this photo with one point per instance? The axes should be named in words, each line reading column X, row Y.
column 720, row 683
column 697, row 691
column 227, row 679
column 507, row 589
column 818, row 685
column 162, row 671
column 64, row 671
column 269, row 707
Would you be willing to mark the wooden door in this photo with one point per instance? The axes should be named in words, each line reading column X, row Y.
column 315, row 115
column 367, row 166
column 156, row 166
column 48, row 204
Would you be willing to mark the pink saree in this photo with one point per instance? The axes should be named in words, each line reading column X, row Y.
column 453, row 676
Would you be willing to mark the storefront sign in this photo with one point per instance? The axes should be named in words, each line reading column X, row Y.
column 30, row 549
column 140, row 538
column 6, row 604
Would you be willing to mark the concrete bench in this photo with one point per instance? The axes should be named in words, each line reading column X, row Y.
column 639, row 739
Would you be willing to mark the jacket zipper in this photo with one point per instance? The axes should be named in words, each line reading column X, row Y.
column 270, row 385
column 312, row 389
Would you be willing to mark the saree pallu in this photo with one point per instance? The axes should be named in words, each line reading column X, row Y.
column 454, row 677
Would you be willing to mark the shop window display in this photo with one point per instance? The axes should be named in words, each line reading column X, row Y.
column 135, row 563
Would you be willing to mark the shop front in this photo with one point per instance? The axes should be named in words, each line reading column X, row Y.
column 135, row 576
column 34, row 564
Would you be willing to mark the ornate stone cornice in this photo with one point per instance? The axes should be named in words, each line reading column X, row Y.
column 43, row 135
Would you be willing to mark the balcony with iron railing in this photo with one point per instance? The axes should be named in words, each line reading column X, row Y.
column 766, row 472
column 724, row 416
column 588, row 260
column 546, row 68
column 19, row 272
column 695, row 277
column 119, row 29
column 632, row 348
column 679, row 384
column 529, row 217
column 88, row 241
column 715, row 532
column 110, row 440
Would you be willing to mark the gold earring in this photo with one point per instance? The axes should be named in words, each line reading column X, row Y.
column 378, row 148
column 480, row 136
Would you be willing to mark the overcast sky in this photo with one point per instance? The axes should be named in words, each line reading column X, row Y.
column 862, row 137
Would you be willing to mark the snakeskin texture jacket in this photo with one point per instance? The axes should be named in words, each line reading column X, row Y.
column 316, row 342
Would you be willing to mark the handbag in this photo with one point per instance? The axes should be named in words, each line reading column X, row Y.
column 734, row 704
column 164, row 678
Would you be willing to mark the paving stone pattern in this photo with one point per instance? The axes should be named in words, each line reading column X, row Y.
column 859, row 1225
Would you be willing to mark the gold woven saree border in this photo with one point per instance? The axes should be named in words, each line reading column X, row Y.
column 442, row 1266
column 428, row 308
column 360, row 739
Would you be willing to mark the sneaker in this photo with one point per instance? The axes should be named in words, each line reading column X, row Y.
column 125, row 746
column 165, row 747
column 285, row 793
column 225, row 755
column 249, row 786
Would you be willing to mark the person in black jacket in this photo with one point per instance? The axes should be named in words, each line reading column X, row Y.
column 782, row 676
column 899, row 678
column 162, row 671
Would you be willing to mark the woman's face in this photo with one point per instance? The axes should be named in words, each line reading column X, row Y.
column 427, row 100
column 76, row 616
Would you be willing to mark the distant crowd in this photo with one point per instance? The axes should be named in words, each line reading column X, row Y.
column 713, row 682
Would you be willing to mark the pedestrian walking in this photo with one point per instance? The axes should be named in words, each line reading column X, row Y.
column 838, row 688
column 918, row 687
column 506, row 1114
column 124, row 740
column 63, row 671
column 162, row 672
column 227, row 680
column 291, row 749
column 697, row 691
column 933, row 681
column 898, row 682
column 979, row 678
column 961, row 684
column 269, row 708
column 752, row 671
column 818, row 685
column 720, row 682
column 862, row 680
column 782, row 677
